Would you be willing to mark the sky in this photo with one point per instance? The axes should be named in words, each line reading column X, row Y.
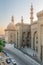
column 18, row 8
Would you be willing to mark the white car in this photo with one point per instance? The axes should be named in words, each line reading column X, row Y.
column 13, row 61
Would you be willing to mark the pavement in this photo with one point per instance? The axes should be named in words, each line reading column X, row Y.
column 30, row 52
column 21, row 55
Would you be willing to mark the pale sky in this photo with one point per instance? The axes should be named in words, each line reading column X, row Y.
column 18, row 8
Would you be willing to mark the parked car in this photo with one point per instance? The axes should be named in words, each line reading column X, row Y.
column 5, row 53
column 8, row 60
column 13, row 61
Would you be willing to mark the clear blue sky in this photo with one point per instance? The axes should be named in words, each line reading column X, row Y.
column 18, row 8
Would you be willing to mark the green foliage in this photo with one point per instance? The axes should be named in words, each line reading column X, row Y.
column 1, row 48
column 2, row 44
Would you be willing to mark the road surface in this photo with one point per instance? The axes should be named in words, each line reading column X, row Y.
column 18, row 59
column 21, row 58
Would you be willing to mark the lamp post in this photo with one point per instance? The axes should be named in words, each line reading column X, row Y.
column 17, row 38
column 22, row 28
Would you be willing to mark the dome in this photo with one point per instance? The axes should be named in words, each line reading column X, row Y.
column 11, row 25
column 40, row 14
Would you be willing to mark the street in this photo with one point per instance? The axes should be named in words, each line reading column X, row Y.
column 20, row 57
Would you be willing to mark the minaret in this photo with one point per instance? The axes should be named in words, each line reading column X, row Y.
column 22, row 30
column 22, row 19
column 12, row 20
column 22, row 22
column 31, row 14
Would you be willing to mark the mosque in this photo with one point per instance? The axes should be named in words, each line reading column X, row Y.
column 29, row 35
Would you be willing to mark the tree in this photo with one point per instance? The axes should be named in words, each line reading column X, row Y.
column 2, row 44
column 1, row 48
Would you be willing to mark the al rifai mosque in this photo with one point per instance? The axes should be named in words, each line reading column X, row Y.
column 27, row 35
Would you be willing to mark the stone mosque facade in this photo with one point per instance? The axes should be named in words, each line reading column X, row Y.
column 10, row 32
column 29, row 35
column 19, row 33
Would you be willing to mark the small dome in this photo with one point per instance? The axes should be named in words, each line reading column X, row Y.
column 11, row 26
column 40, row 14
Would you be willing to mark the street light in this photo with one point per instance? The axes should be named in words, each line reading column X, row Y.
column 22, row 28
column 17, row 38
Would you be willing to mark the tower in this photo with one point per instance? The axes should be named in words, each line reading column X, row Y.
column 12, row 19
column 22, row 19
column 21, row 31
column 22, row 23
column 31, row 14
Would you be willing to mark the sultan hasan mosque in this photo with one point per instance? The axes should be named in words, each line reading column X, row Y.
column 30, row 35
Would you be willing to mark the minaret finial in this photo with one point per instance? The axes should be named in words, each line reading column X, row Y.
column 12, row 19
column 21, row 19
column 31, row 13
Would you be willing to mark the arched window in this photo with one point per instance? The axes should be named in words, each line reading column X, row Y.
column 35, row 41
